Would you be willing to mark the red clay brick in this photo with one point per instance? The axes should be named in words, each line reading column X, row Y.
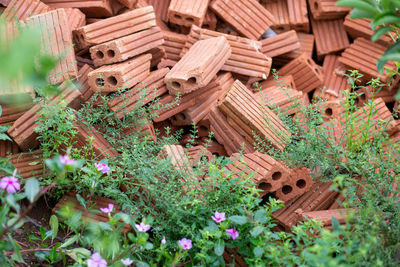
column 298, row 182
column 362, row 55
column 173, row 44
column 23, row 9
column 386, row 95
column 306, row 46
column 280, row 44
column 115, row 27
column 210, row 21
column 10, row 113
column 176, row 154
column 306, row 73
column 157, row 54
column 8, row 147
column 161, row 8
column 187, row 12
column 246, row 59
column 126, row 47
column 75, row 18
column 56, row 41
column 86, row 91
column 330, row 36
column 298, row 15
column 198, row 66
column 279, row 9
column 110, row 78
column 29, row 164
column 327, row 9
column 128, row 3
column 247, row 115
column 198, row 153
column 248, row 17
column 92, row 8
column 324, row 216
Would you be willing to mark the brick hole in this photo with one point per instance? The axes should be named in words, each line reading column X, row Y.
column 216, row 154
column 316, row 6
column 265, row 186
column 203, row 128
column 280, row 28
column 287, row 189
column 180, row 116
column 301, row 183
column 204, row 158
column 100, row 82
column 363, row 97
column 177, row 16
column 176, row 85
column 276, row 176
column 191, row 20
column 99, row 54
column 112, row 80
column 192, row 80
column 111, row 53
column 205, row 26
column 329, row 111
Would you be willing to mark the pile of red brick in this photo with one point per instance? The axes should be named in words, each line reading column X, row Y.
column 211, row 53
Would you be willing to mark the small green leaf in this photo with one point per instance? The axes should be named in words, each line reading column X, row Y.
column 32, row 188
column 81, row 200
column 335, row 224
column 386, row 19
column 258, row 252
column 54, row 225
column 33, row 163
column 381, row 31
column 260, row 216
column 256, row 231
column 219, row 247
column 78, row 253
column 238, row 219
column 142, row 264
column 70, row 241
column 148, row 246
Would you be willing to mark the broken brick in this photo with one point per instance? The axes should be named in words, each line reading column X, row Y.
column 210, row 21
column 10, row 113
column 187, row 12
column 324, row 216
column 85, row 89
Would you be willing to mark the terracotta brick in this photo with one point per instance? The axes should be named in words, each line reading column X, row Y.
column 161, row 8
column 203, row 127
column 387, row 96
column 187, row 12
column 362, row 55
column 247, row 115
column 142, row 126
column 115, row 27
column 126, row 47
column 92, row 8
column 200, row 110
column 296, row 184
column 151, row 87
column 8, row 147
column 75, row 18
column 128, row 3
column 280, row 44
column 267, row 173
column 198, row 153
column 306, row 46
column 85, row 89
column 327, row 9
column 5, row 2
column 279, row 9
column 298, row 15
column 23, row 9
column 330, row 36
column 210, row 21
column 29, row 164
column 319, row 197
column 246, row 59
column 81, row 61
column 173, row 44
column 248, row 17
column 10, row 113
column 198, row 66
column 176, row 154
column 338, row 203
column 362, row 28
column 332, row 109
column 56, row 41
column 110, row 78
column 226, row 135
column 157, row 54
column 22, row 131
column 324, row 216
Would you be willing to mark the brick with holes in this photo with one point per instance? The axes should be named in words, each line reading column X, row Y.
column 126, row 47
column 198, row 66
column 187, row 12
column 299, row 182
column 327, row 9
column 110, row 78
column 114, row 27
column 298, row 15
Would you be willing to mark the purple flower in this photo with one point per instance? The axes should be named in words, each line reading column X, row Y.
column 66, row 160
column 102, row 167
column 127, row 261
column 96, row 261
column 10, row 183
column 185, row 243
column 233, row 233
column 218, row 216
column 163, row 241
column 142, row 227
column 108, row 210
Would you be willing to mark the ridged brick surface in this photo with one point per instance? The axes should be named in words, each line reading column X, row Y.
column 110, row 78
column 246, row 59
column 279, row 9
column 86, row 91
column 247, row 115
column 161, row 8
column 56, row 41
column 298, row 182
column 126, row 47
column 11, row 113
column 306, row 73
column 362, row 28
column 226, row 135
column 173, row 44
column 197, row 153
column 248, row 17
column 280, row 44
column 324, row 216
column 306, row 46
column 330, row 36
column 22, row 9
column 29, row 164
column 327, row 9
column 269, row 174
column 75, row 18
column 362, row 55
column 198, row 66
column 128, row 3
column 92, row 8
column 187, row 12
column 298, row 15
column 115, row 27
column 157, row 54
column 8, row 147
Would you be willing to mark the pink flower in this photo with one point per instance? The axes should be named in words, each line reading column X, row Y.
column 66, row 160
column 185, row 243
column 96, row 261
column 142, row 227
column 10, row 183
column 102, row 167
column 108, row 210
column 163, row 241
column 233, row 233
column 218, row 216
column 127, row 261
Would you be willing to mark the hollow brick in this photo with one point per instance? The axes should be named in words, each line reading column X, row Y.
column 23, row 9
column 85, row 89
column 8, row 147
column 157, row 55
column 10, row 113
column 28, row 165
column 161, row 8
column 210, row 21
column 280, row 44
column 173, row 44
column 327, row 9
column 298, row 182
column 306, row 46
column 279, row 9
column 75, row 18
column 298, row 15
column 187, row 12
column 92, row 8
